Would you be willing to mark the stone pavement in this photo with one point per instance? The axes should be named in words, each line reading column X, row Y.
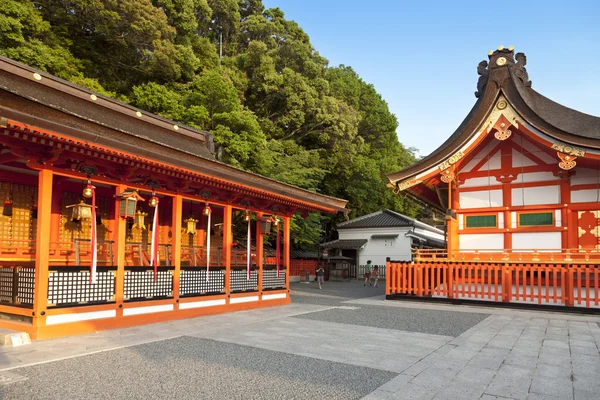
column 342, row 342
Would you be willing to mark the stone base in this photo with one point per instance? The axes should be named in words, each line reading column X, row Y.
column 13, row 338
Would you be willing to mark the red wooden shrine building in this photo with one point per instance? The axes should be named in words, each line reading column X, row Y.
column 519, row 183
column 112, row 217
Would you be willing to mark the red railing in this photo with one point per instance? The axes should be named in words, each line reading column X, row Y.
column 532, row 283
column 501, row 255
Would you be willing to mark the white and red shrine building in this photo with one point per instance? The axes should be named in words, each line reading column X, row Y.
column 519, row 182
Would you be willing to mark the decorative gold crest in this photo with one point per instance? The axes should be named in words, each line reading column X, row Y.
column 502, row 133
column 448, row 175
column 406, row 184
column 501, row 61
column 451, row 161
column 567, row 149
column 501, row 105
column 567, row 162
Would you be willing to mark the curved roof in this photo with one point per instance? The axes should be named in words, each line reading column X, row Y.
column 506, row 74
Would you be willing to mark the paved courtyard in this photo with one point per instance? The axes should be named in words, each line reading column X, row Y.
column 342, row 342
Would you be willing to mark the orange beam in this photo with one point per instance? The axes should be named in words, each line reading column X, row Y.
column 286, row 249
column 176, row 242
column 259, row 252
column 40, row 300
column 119, row 238
column 227, row 243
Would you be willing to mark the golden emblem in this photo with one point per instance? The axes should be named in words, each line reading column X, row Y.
column 501, row 105
column 501, row 61
column 567, row 162
column 570, row 150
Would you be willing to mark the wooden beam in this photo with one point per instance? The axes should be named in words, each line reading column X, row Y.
column 42, row 254
column 227, row 242
column 176, row 242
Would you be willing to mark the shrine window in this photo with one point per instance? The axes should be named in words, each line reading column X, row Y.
column 536, row 219
column 481, row 221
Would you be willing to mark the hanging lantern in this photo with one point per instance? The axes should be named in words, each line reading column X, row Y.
column 140, row 220
column 88, row 191
column 8, row 208
column 265, row 225
column 80, row 211
column 153, row 200
column 191, row 225
column 129, row 199
column 247, row 217
column 275, row 221
column 207, row 209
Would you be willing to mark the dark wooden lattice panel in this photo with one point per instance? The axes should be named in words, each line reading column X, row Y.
column 66, row 288
column 239, row 282
column 271, row 281
column 140, row 285
column 192, row 282
column 26, row 286
column 6, row 284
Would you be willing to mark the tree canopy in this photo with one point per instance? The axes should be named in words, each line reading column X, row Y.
column 246, row 73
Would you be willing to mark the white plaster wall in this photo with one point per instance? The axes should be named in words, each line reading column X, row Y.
column 585, row 176
column 480, row 199
column 536, row 177
column 536, row 240
column 480, row 182
column 585, row 196
column 536, row 195
column 376, row 250
column 484, row 241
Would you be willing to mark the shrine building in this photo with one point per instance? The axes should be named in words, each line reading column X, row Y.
column 113, row 217
column 519, row 184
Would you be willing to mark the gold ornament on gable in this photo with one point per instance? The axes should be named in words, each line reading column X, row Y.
column 568, row 149
column 503, row 133
column 451, row 161
column 567, row 161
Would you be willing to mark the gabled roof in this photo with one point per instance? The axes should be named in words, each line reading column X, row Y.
column 385, row 219
column 504, row 83
column 344, row 244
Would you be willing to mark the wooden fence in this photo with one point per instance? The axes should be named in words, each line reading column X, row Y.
column 573, row 285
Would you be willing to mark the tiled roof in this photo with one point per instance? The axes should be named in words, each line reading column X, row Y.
column 390, row 236
column 312, row 254
column 344, row 244
column 379, row 219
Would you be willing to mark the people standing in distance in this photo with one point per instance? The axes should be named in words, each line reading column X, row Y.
column 320, row 271
column 367, row 273
column 375, row 275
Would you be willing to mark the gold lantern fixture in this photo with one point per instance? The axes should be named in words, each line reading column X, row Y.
column 128, row 202
column 191, row 225
column 207, row 209
column 247, row 217
column 80, row 211
column 153, row 200
column 87, row 191
column 140, row 220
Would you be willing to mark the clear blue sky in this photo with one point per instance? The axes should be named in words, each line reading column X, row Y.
column 422, row 56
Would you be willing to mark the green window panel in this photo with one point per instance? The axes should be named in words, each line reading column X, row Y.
column 536, row 219
column 481, row 221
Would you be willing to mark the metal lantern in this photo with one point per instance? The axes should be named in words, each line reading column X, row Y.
column 80, row 211
column 140, row 220
column 265, row 225
column 191, row 225
column 207, row 210
column 7, row 211
column 129, row 199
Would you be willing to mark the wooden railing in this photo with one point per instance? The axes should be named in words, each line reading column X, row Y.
column 574, row 285
column 514, row 255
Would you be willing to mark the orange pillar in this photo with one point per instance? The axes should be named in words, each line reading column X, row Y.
column 42, row 254
column 176, row 243
column 227, row 242
column 259, row 252
column 119, row 248
column 286, row 249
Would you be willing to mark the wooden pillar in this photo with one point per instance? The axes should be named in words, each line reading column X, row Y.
column 507, row 203
column 55, row 218
column 286, row 249
column 565, row 199
column 259, row 252
column 176, row 242
column 227, row 242
column 120, row 236
column 42, row 253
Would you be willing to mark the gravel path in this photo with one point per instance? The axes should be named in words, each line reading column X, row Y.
column 192, row 368
column 445, row 323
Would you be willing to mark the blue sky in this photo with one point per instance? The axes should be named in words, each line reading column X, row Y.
column 422, row 56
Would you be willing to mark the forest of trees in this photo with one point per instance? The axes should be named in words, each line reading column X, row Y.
column 243, row 72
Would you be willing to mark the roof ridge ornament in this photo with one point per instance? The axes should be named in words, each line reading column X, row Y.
column 482, row 69
column 519, row 69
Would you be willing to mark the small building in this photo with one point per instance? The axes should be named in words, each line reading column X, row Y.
column 381, row 235
column 519, row 183
column 111, row 216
